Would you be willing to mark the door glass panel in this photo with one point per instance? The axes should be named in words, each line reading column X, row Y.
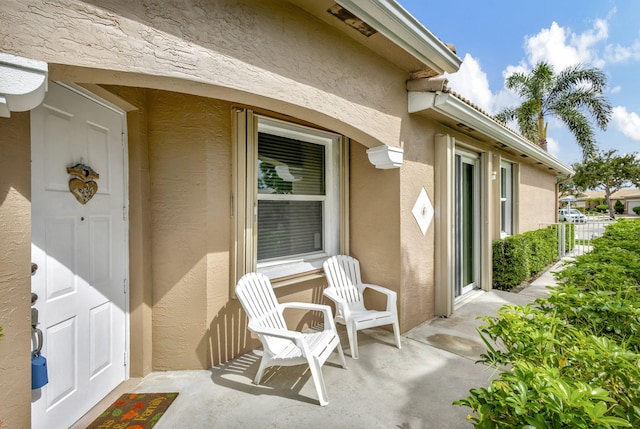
column 466, row 225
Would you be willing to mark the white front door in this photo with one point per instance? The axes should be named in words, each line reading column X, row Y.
column 81, row 252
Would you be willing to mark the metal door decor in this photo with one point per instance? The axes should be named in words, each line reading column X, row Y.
column 82, row 185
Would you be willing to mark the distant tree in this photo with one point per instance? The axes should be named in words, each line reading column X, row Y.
column 618, row 207
column 568, row 95
column 568, row 188
column 609, row 172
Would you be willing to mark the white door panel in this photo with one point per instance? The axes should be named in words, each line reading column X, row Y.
column 81, row 251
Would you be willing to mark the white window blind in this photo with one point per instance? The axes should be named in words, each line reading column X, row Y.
column 291, row 197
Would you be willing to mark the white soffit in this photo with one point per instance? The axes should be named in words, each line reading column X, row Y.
column 454, row 108
column 395, row 23
column 23, row 83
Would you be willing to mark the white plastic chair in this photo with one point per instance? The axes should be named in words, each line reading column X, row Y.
column 282, row 346
column 346, row 291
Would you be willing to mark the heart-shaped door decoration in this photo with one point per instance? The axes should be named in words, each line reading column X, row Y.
column 83, row 191
column 82, row 186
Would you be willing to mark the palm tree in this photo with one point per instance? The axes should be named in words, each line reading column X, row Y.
column 566, row 95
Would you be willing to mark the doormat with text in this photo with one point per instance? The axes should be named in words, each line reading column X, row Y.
column 134, row 411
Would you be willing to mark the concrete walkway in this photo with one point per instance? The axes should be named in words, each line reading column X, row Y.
column 386, row 388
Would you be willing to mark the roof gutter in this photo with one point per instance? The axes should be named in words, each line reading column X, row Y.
column 454, row 108
column 395, row 23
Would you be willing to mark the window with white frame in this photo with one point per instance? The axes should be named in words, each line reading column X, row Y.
column 292, row 192
column 506, row 199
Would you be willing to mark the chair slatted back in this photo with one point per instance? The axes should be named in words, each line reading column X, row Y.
column 256, row 295
column 343, row 274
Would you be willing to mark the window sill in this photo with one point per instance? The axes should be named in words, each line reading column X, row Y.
column 292, row 268
column 291, row 280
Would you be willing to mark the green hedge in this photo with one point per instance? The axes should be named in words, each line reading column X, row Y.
column 519, row 257
column 571, row 360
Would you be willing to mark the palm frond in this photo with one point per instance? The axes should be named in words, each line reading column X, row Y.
column 570, row 95
column 506, row 115
column 579, row 126
column 527, row 117
column 591, row 101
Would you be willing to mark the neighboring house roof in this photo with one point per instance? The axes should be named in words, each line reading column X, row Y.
column 622, row 194
column 432, row 95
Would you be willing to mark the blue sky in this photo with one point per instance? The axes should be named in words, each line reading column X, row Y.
column 497, row 37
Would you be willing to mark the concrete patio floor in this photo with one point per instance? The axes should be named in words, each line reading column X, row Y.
column 386, row 388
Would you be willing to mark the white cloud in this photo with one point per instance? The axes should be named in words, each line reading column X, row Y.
column 503, row 99
column 562, row 48
column 472, row 83
column 585, row 42
column 627, row 122
column 553, row 147
column 616, row 89
column 511, row 69
column 550, row 45
column 620, row 54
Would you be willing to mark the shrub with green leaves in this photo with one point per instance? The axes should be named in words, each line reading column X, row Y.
column 618, row 207
column 519, row 257
column 636, row 210
column 571, row 360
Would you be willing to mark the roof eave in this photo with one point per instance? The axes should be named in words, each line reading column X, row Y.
column 399, row 26
column 452, row 107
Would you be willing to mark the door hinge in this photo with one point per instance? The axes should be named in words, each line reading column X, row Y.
column 125, row 359
column 125, row 285
column 124, row 213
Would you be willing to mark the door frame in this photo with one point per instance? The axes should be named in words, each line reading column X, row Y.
column 472, row 159
column 83, row 92
column 446, row 148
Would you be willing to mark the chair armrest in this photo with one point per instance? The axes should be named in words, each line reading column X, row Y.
column 325, row 309
column 392, row 296
column 305, row 306
column 329, row 293
column 342, row 306
column 278, row 333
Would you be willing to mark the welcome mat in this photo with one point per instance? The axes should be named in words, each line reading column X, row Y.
column 134, row 411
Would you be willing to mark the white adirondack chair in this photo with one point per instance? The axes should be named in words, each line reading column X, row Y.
column 346, row 291
column 282, row 346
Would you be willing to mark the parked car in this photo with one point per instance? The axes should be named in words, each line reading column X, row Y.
column 571, row 215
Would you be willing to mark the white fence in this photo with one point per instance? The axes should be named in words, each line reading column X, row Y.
column 584, row 233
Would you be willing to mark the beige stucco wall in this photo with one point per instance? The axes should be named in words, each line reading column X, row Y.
column 537, row 197
column 15, row 271
column 374, row 228
column 180, row 222
column 262, row 53
column 268, row 55
column 417, row 250
column 190, row 164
